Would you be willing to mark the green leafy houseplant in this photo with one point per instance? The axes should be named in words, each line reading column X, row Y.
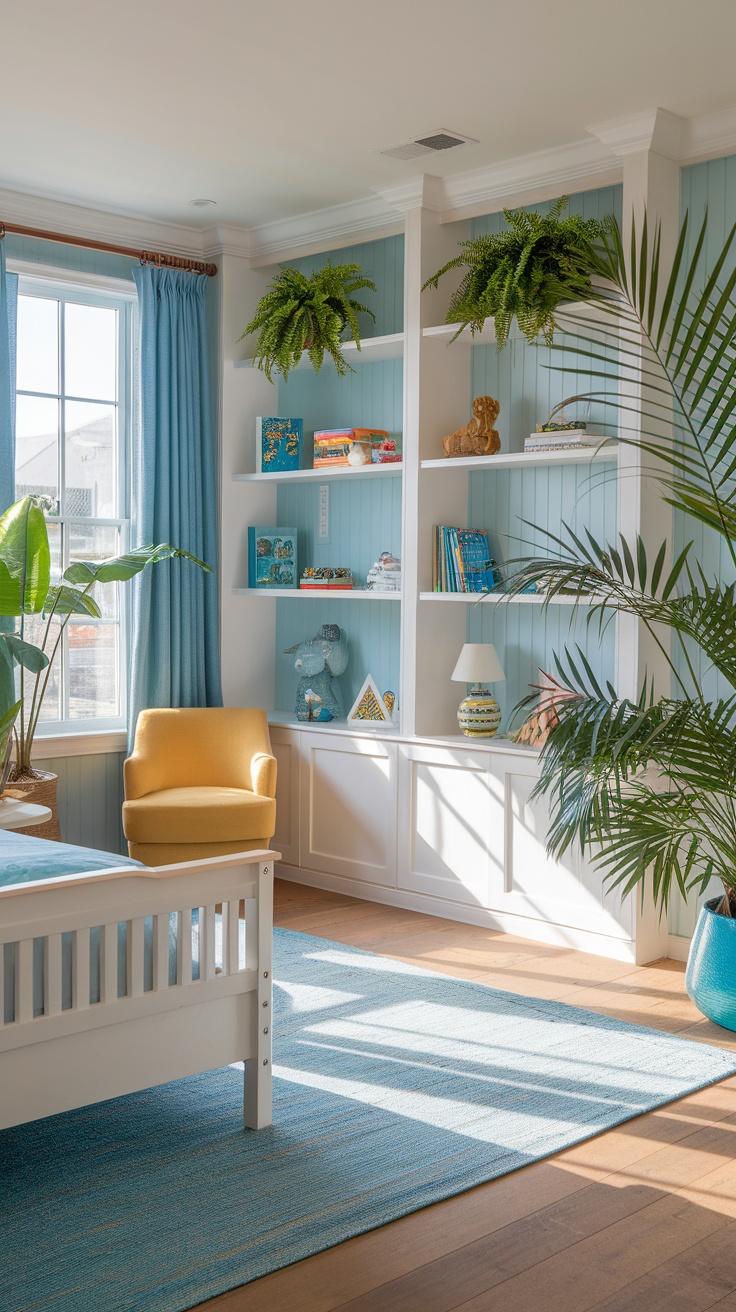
column 648, row 786
column 299, row 314
column 27, row 589
column 523, row 273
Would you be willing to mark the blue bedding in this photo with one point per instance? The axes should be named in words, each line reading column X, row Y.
column 24, row 859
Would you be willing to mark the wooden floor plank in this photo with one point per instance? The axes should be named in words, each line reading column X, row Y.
column 693, row 1281
column 623, row 1222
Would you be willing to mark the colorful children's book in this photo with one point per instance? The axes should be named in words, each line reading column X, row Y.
column 272, row 558
column 278, row 444
column 462, row 561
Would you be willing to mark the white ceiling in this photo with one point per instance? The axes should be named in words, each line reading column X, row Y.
column 276, row 110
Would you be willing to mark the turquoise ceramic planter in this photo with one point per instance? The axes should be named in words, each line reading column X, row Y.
column 711, row 966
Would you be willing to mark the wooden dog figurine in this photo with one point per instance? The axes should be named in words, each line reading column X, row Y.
column 478, row 437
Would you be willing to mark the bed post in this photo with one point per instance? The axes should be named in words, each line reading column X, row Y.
column 257, row 1091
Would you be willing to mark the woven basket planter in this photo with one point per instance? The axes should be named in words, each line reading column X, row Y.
column 42, row 792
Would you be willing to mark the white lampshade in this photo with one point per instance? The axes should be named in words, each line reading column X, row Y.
column 478, row 663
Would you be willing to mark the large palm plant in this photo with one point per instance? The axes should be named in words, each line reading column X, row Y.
column 649, row 785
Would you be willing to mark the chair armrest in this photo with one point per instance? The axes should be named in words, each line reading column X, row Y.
column 263, row 774
column 135, row 781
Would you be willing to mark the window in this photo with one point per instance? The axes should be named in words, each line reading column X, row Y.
column 73, row 418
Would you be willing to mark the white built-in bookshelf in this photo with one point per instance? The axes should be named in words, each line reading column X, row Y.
column 421, row 816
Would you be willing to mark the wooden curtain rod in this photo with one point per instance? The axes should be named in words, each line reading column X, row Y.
column 145, row 257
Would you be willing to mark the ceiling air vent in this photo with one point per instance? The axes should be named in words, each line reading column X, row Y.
column 429, row 145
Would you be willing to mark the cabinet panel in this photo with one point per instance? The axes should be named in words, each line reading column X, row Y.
column 349, row 807
column 568, row 892
column 285, row 747
column 451, row 838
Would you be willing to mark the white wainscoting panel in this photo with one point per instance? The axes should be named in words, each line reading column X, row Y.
column 451, row 831
column 567, row 892
column 348, row 822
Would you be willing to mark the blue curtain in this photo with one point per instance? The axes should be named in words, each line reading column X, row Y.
column 8, row 323
column 175, row 629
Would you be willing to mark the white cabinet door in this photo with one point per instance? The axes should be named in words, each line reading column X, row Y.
column 451, row 833
column 286, row 749
column 569, row 892
column 348, row 813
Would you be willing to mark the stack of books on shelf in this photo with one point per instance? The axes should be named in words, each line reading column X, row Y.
column 563, row 439
column 335, row 578
column 462, row 561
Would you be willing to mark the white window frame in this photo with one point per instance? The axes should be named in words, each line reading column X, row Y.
column 69, row 736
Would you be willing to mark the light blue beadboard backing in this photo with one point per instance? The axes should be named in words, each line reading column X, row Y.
column 365, row 515
column 594, row 204
column 710, row 185
column 383, row 262
column 90, row 798
column 372, row 396
column 530, row 380
column 546, row 497
column 364, row 520
column 525, row 637
column 372, row 630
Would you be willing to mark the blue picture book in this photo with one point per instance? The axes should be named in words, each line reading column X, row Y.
column 272, row 558
column 278, row 444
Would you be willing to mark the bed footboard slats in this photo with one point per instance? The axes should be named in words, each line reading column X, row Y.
column 108, row 963
column 24, row 981
column 52, row 975
column 80, row 969
column 184, row 948
column 134, row 957
column 160, row 949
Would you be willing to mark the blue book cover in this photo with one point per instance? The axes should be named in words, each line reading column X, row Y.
column 272, row 558
column 278, row 444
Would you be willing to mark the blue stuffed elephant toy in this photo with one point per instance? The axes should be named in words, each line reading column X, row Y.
column 319, row 660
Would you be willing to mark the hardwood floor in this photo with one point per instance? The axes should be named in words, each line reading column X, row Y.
column 640, row 1219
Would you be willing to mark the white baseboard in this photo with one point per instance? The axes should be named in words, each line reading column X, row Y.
column 678, row 947
column 600, row 945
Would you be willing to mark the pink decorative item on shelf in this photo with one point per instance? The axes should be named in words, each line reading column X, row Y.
column 386, row 454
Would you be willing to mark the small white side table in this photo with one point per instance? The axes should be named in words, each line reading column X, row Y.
column 15, row 814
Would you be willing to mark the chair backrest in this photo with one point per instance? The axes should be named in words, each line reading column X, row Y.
column 193, row 747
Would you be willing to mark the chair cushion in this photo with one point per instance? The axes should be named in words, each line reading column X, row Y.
column 198, row 815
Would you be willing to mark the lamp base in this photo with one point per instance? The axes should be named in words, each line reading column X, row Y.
column 479, row 714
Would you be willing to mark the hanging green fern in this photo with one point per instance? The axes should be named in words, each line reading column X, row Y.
column 300, row 314
column 523, row 273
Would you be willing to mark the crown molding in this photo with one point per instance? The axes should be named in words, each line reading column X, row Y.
column 225, row 239
column 99, row 225
column 709, row 136
column 595, row 161
column 653, row 129
column 425, row 190
column 529, row 177
column 307, row 234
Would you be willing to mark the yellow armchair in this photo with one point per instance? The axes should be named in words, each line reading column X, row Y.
column 199, row 783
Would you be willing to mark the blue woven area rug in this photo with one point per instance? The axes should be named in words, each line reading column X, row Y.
column 396, row 1087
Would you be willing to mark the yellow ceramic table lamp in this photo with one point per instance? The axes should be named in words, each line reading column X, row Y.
column 478, row 714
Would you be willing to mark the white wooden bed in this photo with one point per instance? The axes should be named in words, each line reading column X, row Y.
column 81, row 1050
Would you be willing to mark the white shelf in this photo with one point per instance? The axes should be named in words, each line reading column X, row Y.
column 497, row 744
column 525, row 459
column 496, row 598
column 372, row 349
column 574, row 310
column 310, row 475
column 318, row 594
